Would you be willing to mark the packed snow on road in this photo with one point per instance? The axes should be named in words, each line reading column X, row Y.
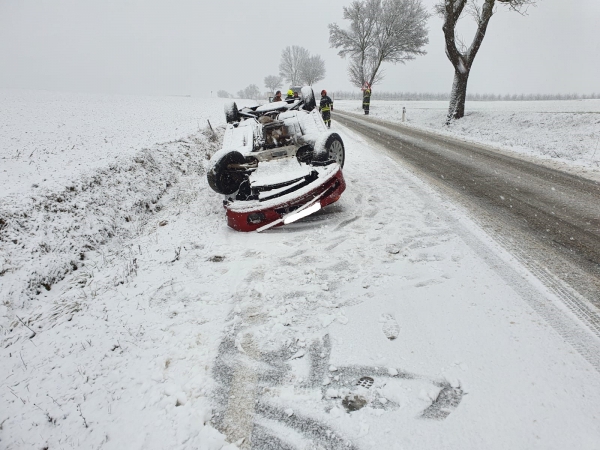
column 133, row 317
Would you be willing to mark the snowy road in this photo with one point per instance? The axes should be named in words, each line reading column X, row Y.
column 549, row 218
column 388, row 320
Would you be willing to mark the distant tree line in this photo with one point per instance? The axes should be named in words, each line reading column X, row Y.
column 427, row 96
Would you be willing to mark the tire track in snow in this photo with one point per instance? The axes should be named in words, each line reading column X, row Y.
column 244, row 372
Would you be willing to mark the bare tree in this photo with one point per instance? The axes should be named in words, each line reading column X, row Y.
column 272, row 82
column 380, row 31
column 223, row 94
column 459, row 55
column 250, row 92
column 362, row 70
column 313, row 70
column 292, row 60
column 358, row 40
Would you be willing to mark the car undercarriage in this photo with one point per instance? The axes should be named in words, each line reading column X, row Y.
column 278, row 163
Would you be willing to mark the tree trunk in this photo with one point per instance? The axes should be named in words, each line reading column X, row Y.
column 463, row 60
column 458, row 96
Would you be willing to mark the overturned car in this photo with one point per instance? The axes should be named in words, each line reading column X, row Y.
column 279, row 163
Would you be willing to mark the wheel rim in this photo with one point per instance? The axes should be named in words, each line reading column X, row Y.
column 336, row 152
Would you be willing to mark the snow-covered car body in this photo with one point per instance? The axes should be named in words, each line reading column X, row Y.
column 279, row 162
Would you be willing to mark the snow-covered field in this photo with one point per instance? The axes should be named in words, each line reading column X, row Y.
column 132, row 317
column 49, row 138
column 566, row 131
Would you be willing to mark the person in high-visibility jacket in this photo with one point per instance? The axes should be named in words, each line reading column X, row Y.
column 326, row 106
column 290, row 96
column 366, row 98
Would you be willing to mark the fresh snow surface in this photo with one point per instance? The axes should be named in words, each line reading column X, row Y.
column 565, row 131
column 278, row 171
column 47, row 137
column 173, row 326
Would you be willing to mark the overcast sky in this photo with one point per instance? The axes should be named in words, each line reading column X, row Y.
column 197, row 46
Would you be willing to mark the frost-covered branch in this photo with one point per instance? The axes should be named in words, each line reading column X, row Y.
column 380, row 31
column 519, row 6
column 292, row 60
column 298, row 66
column 360, row 70
column 313, row 70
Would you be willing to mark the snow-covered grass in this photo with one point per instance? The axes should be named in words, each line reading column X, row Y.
column 64, row 256
column 48, row 236
column 174, row 326
column 568, row 130
column 78, row 170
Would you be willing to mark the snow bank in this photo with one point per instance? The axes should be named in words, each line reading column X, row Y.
column 80, row 169
column 88, row 367
column 47, row 235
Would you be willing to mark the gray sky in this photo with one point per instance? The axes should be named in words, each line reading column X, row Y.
column 195, row 46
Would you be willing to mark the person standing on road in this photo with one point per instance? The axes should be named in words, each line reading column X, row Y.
column 366, row 98
column 326, row 106
column 277, row 97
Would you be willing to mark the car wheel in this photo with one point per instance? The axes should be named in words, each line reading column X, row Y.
column 221, row 178
column 231, row 112
column 309, row 98
column 330, row 147
column 305, row 154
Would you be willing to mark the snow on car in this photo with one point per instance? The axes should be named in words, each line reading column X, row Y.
column 278, row 163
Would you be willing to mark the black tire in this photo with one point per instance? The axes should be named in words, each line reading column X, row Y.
column 305, row 154
column 329, row 148
column 308, row 96
column 231, row 112
column 224, row 180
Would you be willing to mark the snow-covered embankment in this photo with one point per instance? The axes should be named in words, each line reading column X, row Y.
column 46, row 236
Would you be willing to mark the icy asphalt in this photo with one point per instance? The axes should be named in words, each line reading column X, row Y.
column 190, row 327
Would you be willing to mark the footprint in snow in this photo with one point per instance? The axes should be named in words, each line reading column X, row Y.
column 390, row 326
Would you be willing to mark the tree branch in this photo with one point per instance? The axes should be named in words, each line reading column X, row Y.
column 452, row 11
column 487, row 11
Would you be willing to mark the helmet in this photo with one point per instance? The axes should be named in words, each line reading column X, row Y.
column 323, row 92
column 290, row 93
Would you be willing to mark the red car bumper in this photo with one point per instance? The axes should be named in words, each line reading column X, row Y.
column 250, row 216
